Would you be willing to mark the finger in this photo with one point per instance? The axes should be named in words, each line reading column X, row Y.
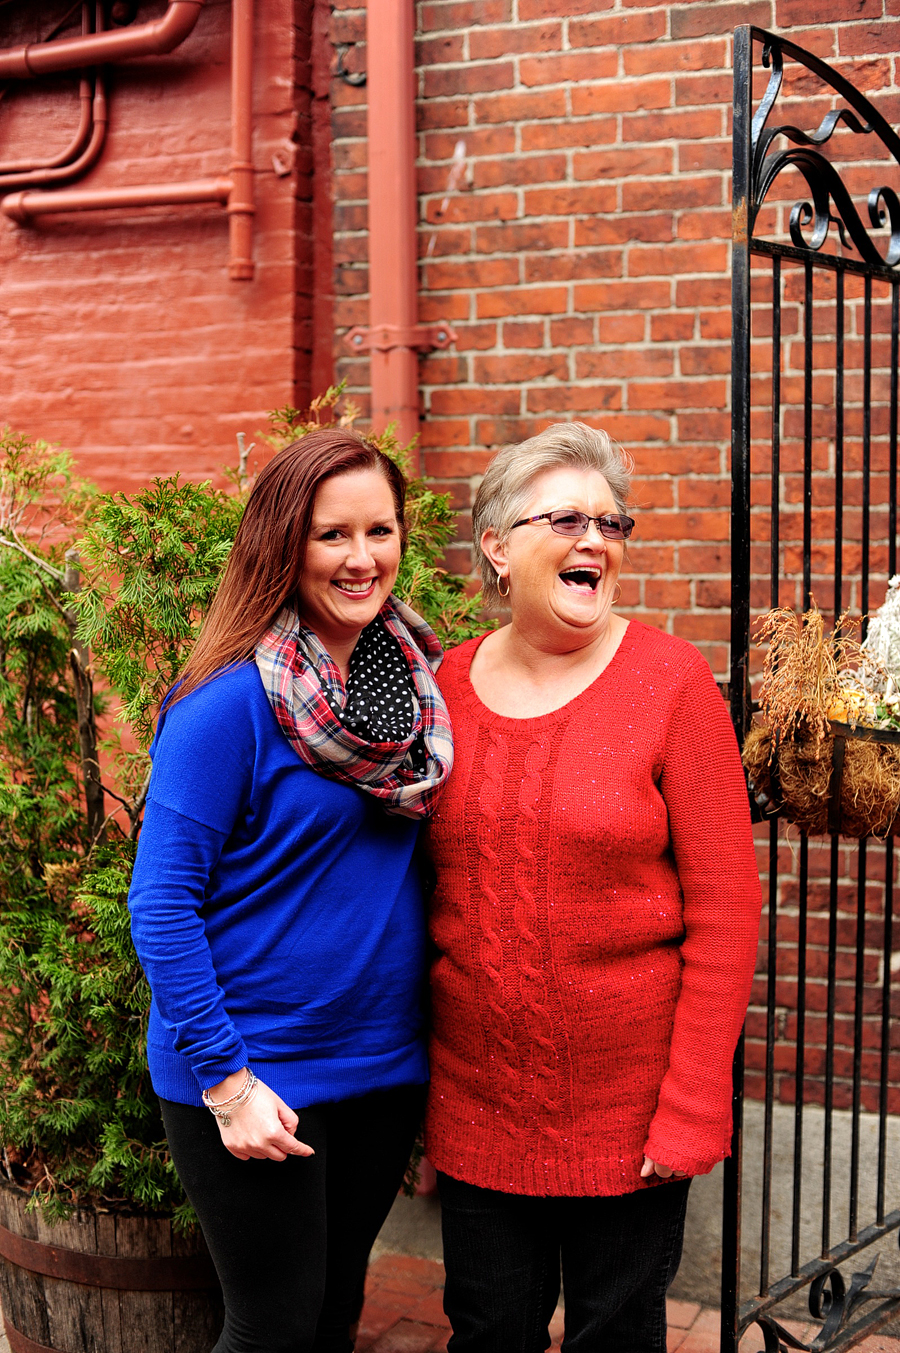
column 296, row 1148
column 664, row 1171
column 647, row 1168
column 289, row 1119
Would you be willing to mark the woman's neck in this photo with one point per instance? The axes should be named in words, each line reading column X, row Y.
column 339, row 649
column 515, row 675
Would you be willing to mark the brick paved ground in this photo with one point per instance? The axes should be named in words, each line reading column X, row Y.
column 404, row 1314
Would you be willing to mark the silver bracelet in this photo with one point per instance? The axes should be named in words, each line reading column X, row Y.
column 223, row 1108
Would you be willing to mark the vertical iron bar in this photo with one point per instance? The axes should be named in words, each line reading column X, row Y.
column 857, row 1037
column 740, row 385
column 775, row 563
column 834, row 866
column 771, row 995
column 887, row 954
column 892, row 454
column 867, row 452
column 888, row 937
column 740, row 600
column 839, row 447
column 827, row 1158
column 807, row 431
column 800, row 1074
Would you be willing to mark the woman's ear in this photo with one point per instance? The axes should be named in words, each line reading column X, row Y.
column 494, row 550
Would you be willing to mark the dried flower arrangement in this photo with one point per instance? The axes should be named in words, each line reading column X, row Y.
column 826, row 752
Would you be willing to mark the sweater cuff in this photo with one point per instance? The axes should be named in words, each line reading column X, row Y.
column 208, row 1076
column 677, row 1159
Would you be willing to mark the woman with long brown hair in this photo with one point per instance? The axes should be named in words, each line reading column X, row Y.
column 276, row 903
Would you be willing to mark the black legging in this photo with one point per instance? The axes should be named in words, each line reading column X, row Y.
column 290, row 1239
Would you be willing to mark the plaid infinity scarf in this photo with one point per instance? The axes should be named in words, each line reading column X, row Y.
column 405, row 773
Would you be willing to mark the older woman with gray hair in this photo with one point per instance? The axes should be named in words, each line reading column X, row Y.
column 595, row 921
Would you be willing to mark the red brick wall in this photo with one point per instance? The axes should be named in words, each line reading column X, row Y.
column 121, row 335
column 583, row 261
column 585, row 265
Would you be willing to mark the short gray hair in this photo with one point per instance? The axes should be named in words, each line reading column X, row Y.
column 504, row 492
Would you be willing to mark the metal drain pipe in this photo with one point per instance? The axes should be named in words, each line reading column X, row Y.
column 394, row 337
column 235, row 193
column 393, row 283
column 95, row 49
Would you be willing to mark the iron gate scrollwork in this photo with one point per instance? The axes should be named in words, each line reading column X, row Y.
column 814, row 515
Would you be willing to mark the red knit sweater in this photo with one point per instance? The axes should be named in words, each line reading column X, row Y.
column 596, row 917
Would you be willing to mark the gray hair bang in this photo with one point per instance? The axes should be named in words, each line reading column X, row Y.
column 504, row 492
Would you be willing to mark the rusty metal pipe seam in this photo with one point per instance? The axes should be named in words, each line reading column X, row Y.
column 66, row 172
column 156, row 38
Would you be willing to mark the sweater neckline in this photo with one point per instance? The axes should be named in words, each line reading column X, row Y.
column 540, row 722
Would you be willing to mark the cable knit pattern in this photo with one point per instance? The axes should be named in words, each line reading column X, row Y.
column 596, row 921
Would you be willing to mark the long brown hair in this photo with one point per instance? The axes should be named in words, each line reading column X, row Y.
column 269, row 551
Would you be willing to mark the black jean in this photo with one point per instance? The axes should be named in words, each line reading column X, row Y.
column 503, row 1254
column 290, row 1239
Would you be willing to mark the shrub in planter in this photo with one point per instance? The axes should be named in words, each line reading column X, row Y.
column 80, row 1129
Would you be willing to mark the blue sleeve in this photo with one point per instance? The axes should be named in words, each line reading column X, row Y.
column 204, row 749
column 200, row 783
column 175, row 859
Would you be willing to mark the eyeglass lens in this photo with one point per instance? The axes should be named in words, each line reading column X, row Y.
column 570, row 523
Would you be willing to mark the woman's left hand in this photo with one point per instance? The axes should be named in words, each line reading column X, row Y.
column 650, row 1167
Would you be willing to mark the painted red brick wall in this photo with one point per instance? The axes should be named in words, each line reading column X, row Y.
column 582, row 255
column 121, row 335
column 584, row 261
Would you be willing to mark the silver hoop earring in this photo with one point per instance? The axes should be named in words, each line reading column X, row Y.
column 617, row 593
column 499, row 588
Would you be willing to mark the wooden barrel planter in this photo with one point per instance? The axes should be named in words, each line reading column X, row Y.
column 103, row 1283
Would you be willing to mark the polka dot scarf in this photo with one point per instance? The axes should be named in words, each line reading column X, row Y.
column 388, row 732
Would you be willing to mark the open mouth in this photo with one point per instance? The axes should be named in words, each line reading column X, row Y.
column 354, row 589
column 582, row 579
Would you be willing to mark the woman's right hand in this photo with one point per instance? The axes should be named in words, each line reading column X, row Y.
column 261, row 1130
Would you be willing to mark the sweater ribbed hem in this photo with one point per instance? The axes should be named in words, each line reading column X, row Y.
column 301, row 1082
column 589, row 1177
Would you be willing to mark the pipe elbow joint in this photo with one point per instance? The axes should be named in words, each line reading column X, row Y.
column 178, row 22
column 13, row 206
column 157, row 38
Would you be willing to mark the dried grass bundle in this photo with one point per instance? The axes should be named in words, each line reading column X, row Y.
column 804, row 669
column 809, row 677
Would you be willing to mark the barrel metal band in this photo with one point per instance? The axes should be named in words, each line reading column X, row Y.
column 118, row 1272
column 20, row 1343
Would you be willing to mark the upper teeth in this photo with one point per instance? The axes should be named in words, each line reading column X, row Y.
column 583, row 568
column 353, row 587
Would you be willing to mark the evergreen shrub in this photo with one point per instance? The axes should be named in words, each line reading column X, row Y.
column 79, row 1123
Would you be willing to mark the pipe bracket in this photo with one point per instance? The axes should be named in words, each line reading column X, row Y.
column 385, row 337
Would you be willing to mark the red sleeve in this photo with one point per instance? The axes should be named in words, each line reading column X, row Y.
column 703, row 786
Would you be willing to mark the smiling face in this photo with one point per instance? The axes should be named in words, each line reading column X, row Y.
column 561, row 587
column 352, row 558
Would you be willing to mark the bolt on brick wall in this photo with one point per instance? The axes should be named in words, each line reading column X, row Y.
column 121, row 335
column 584, row 259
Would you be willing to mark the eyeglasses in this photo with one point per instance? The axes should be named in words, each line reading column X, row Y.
column 566, row 522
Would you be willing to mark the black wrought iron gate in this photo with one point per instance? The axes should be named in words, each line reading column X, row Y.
column 814, row 514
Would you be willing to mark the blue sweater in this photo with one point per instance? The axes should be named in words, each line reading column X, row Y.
column 278, row 914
